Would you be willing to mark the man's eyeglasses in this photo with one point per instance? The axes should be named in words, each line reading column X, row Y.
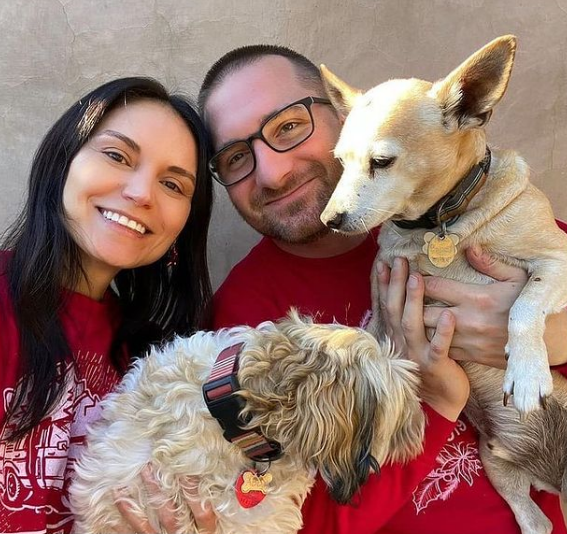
column 283, row 130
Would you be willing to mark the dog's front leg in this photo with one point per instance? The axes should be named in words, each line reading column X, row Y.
column 513, row 484
column 528, row 377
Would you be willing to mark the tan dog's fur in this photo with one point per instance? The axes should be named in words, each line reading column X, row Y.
column 331, row 395
column 405, row 144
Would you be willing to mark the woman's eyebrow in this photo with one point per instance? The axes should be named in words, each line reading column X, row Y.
column 181, row 171
column 130, row 142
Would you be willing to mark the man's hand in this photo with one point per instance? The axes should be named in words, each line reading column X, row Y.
column 445, row 386
column 205, row 518
column 481, row 312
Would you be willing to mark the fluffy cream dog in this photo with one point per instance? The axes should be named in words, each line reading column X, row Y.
column 416, row 162
column 335, row 399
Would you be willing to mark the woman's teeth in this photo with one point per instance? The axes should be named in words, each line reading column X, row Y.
column 124, row 221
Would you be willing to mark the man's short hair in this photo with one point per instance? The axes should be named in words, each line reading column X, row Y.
column 238, row 58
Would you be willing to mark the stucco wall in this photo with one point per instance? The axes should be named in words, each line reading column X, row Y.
column 53, row 51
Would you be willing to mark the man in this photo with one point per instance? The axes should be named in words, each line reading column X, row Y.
column 273, row 133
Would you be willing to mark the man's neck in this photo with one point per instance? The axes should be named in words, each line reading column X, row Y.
column 331, row 244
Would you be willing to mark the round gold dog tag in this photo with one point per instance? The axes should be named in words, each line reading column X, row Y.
column 440, row 249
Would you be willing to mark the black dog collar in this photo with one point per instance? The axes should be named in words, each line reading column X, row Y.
column 219, row 393
column 453, row 204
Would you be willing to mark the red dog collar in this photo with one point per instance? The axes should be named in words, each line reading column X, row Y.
column 219, row 393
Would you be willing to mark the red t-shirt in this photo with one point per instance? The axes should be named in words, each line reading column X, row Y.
column 443, row 491
column 35, row 470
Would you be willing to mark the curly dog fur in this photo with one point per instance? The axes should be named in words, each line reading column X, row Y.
column 332, row 396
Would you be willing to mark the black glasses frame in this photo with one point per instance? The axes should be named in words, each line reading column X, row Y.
column 307, row 102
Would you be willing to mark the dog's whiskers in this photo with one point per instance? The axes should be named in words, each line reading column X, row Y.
column 395, row 229
column 364, row 224
column 377, row 210
column 389, row 213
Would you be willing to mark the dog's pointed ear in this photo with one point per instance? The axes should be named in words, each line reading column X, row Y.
column 469, row 93
column 340, row 93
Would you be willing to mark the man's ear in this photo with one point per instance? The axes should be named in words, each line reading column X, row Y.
column 469, row 93
column 341, row 95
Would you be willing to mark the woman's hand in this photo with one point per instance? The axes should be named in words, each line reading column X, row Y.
column 205, row 518
column 445, row 386
column 481, row 312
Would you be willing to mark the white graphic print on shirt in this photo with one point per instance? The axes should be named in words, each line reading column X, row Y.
column 35, row 470
column 458, row 462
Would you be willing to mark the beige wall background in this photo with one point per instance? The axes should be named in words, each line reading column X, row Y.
column 52, row 51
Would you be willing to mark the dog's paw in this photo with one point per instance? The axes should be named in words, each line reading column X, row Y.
column 528, row 380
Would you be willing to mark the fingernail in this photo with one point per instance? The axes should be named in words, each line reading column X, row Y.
column 412, row 281
column 480, row 253
column 380, row 267
column 147, row 473
column 475, row 250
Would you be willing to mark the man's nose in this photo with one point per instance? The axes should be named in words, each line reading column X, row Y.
column 271, row 167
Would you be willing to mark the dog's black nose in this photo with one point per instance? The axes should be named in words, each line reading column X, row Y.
column 336, row 222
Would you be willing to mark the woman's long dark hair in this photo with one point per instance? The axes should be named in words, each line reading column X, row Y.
column 157, row 300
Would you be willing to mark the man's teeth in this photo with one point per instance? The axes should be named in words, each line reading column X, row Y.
column 124, row 221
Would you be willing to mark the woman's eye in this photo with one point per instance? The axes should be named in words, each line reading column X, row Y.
column 173, row 186
column 116, row 156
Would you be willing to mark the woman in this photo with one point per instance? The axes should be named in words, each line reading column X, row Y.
column 108, row 256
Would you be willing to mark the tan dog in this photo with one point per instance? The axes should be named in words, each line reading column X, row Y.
column 416, row 162
column 336, row 400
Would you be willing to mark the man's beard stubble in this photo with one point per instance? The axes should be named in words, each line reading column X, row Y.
column 301, row 223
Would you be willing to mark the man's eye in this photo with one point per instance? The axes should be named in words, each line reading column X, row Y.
column 235, row 158
column 291, row 129
column 288, row 126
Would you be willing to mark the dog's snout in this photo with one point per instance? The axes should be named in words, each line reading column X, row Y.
column 336, row 221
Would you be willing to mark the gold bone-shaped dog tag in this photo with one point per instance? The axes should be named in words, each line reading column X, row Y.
column 440, row 249
column 255, row 482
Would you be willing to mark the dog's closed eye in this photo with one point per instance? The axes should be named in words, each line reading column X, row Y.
column 381, row 163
